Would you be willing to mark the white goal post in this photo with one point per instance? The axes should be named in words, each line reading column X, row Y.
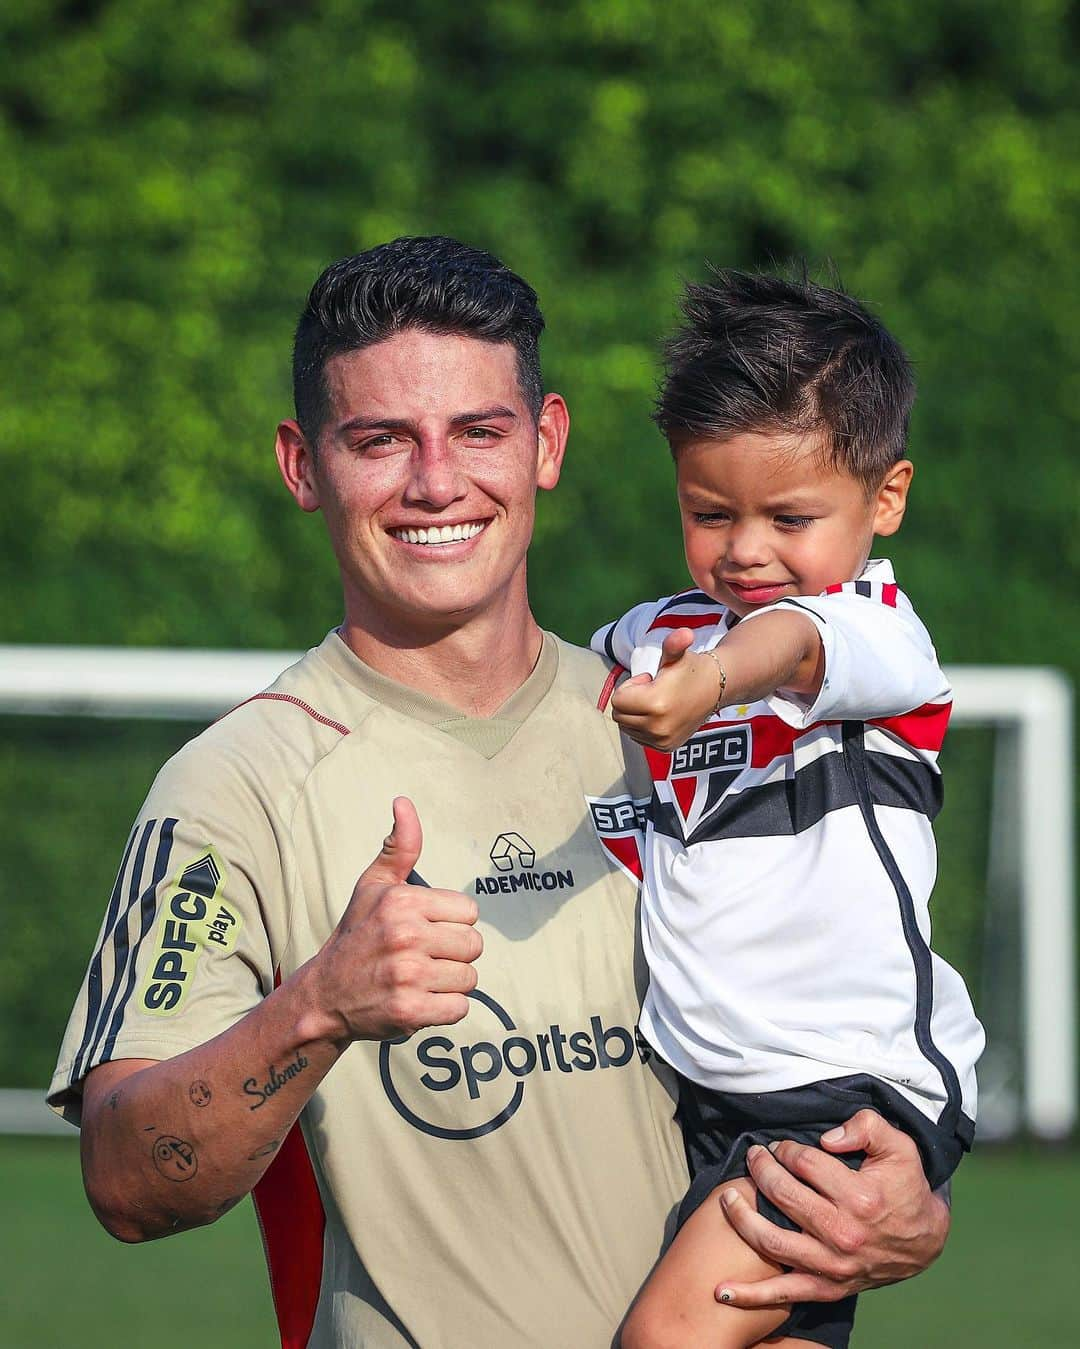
column 1031, row 827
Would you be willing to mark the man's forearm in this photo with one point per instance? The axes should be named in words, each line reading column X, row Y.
column 173, row 1145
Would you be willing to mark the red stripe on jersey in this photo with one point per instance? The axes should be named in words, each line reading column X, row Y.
column 685, row 621
column 614, row 675
column 833, row 590
column 922, row 729
column 888, row 594
column 292, row 1221
column 297, row 702
column 769, row 736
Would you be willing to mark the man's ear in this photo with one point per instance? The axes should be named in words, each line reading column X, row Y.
column 552, row 430
column 892, row 495
column 297, row 464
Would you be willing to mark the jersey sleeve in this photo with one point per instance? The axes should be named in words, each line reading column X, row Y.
column 184, row 949
column 879, row 659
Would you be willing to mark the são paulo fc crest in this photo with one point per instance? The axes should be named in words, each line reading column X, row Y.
column 619, row 822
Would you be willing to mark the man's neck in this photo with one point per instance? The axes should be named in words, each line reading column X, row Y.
column 475, row 666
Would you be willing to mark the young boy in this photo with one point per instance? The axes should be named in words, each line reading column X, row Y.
column 792, row 707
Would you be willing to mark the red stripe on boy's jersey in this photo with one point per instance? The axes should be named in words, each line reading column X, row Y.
column 924, row 728
column 888, row 594
column 685, row 621
column 771, row 738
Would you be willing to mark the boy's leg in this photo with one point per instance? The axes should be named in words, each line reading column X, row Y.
column 677, row 1308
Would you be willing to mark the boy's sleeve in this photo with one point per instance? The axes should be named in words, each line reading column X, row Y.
column 879, row 659
column 185, row 947
column 628, row 641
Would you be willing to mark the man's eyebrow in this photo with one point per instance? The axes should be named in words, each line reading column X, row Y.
column 362, row 423
column 491, row 414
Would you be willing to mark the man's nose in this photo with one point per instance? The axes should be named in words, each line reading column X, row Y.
column 434, row 477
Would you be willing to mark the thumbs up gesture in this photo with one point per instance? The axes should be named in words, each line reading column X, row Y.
column 666, row 711
column 401, row 956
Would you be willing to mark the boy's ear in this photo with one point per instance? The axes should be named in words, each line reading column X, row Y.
column 891, row 500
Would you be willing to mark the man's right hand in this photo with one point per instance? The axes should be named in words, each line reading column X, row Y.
column 401, row 956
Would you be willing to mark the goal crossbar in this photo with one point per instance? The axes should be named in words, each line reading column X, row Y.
column 1033, row 705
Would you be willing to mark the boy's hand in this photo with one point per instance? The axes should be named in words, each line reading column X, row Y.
column 664, row 712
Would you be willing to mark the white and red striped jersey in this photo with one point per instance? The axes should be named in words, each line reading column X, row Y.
column 789, row 859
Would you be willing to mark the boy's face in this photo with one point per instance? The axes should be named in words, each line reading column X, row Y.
column 764, row 517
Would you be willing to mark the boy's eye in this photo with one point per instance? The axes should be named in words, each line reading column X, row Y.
column 794, row 521
column 709, row 517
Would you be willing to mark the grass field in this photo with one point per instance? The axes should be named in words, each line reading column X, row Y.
column 1007, row 1279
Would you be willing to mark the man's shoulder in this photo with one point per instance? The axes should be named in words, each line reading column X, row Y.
column 272, row 739
column 581, row 671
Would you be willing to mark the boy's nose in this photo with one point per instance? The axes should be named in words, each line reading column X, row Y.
column 747, row 545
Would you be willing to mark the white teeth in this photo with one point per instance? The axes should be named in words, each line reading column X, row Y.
column 439, row 534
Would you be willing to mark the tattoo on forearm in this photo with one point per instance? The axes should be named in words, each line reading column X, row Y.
column 266, row 1149
column 275, row 1080
column 199, row 1093
column 227, row 1204
column 114, row 1100
column 174, row 1158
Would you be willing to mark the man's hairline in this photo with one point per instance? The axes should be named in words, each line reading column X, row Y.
column 436, row 331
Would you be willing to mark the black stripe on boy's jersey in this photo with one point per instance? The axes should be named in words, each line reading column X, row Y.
column 609, row 644
column 93, row 977
column 856, row 757
column 782, row 809
column 863, row 588
column 688, row 597
column 148, row 902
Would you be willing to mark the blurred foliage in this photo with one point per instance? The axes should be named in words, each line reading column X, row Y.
column 173, row 178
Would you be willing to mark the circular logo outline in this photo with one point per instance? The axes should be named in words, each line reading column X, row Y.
column 438, row 1130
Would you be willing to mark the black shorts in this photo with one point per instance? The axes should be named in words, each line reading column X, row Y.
column 719, row 1127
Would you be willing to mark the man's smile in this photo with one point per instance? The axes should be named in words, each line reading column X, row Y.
column 438, row 535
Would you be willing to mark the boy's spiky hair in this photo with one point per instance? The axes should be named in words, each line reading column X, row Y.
column 775, row 354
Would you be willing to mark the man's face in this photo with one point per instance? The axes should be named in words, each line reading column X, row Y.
column 764, row 518
column 427, row 470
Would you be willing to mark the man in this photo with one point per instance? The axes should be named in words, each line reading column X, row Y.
column 504, row 1179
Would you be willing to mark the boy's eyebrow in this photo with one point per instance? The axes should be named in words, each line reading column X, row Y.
column 791, row 502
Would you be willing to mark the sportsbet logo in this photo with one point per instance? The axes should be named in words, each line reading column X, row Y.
column 464, row 1090
column 192, row 918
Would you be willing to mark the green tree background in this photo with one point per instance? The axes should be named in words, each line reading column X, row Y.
column 173, row 177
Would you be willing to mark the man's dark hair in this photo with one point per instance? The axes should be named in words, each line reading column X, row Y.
column 435, row 284
column 777, row 355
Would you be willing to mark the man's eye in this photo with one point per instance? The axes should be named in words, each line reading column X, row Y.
column 794, row 521
column 480, row 433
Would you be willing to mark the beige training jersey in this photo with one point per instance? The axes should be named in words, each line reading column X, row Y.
column 502, row 1182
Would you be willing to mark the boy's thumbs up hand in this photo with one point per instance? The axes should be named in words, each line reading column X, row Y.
column 664, row 712
column 401, row 956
